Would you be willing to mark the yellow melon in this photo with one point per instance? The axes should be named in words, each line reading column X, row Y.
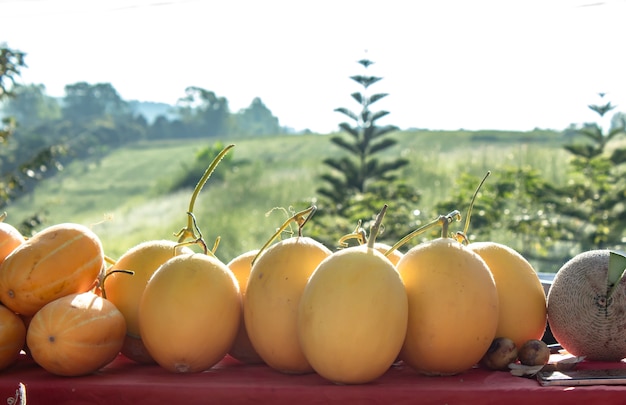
column 242, row 349
column 453, row 307
column 270, row 305
column 521, row 297
column 394, row 256
column 352, row 316
column 125, row 291
column 189, row 313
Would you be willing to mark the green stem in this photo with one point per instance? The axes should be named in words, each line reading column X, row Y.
column 471, row 206
column 188, row 232
column 300, row 218
column 358, row 234
column 441, row 220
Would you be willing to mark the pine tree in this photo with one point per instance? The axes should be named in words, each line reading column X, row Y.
column 591, row 205
column 359, row 182
column 354, row 172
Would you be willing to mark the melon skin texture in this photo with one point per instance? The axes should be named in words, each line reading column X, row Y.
column 453, row 307
column 581, row 317
column 352, row 316
column 521, row 297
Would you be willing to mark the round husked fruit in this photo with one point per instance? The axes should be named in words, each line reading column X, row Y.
column 60, row 260
column 12, row 336
column 352, row 316
column 189, row 313
column 125, row 290
column 75, row 335
column 10, row 239
column 583, row 318
column 521, row 297
column 500, row 354
column 277, row 280
column 534, row 352
column 242, row 349
column 453, row 307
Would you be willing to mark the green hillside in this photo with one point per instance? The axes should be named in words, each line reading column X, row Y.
column 122, row 194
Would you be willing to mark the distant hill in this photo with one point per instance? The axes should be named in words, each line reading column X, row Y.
column 151, row 110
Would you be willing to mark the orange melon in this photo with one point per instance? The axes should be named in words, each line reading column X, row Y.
column 270, row 305
column 10, row 239
column 60, row 260
column 453, row 307
column 75, row 335
column 12, row 337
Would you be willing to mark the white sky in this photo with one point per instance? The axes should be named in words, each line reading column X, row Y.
column 511, row 65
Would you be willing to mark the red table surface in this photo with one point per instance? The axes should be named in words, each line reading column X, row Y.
column 126, row 382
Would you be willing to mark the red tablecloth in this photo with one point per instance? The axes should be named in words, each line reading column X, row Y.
column 125, row 382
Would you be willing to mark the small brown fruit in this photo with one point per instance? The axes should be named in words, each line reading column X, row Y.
column 534, row 353
column 500, row 354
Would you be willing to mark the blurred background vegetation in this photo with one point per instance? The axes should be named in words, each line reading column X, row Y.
column 128, row 169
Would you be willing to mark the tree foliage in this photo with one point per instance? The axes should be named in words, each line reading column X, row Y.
column 31, row 105
column 555, row 221
column 204, row 113
column 592, row 205
column 256, row 120
column 84, row 102
column 360, row 181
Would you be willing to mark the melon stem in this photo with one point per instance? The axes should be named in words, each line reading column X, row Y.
column 104, row 292
column 471, row 206
column 301, row 218
column 375, row 228
column 441, row 220
column 188, row 232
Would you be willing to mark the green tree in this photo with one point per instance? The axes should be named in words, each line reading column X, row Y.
column 359, row 181
column 30, row 105
column 86, row 102
column 11, row 64
column 553, row 222
column 17, row 164
column 204, row 113
column 591, row 205
column 257, row 119
column 353, row 172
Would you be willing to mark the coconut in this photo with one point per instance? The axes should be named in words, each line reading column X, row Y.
column 586, row 313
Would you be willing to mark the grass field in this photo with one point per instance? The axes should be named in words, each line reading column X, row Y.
column 122, row 194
